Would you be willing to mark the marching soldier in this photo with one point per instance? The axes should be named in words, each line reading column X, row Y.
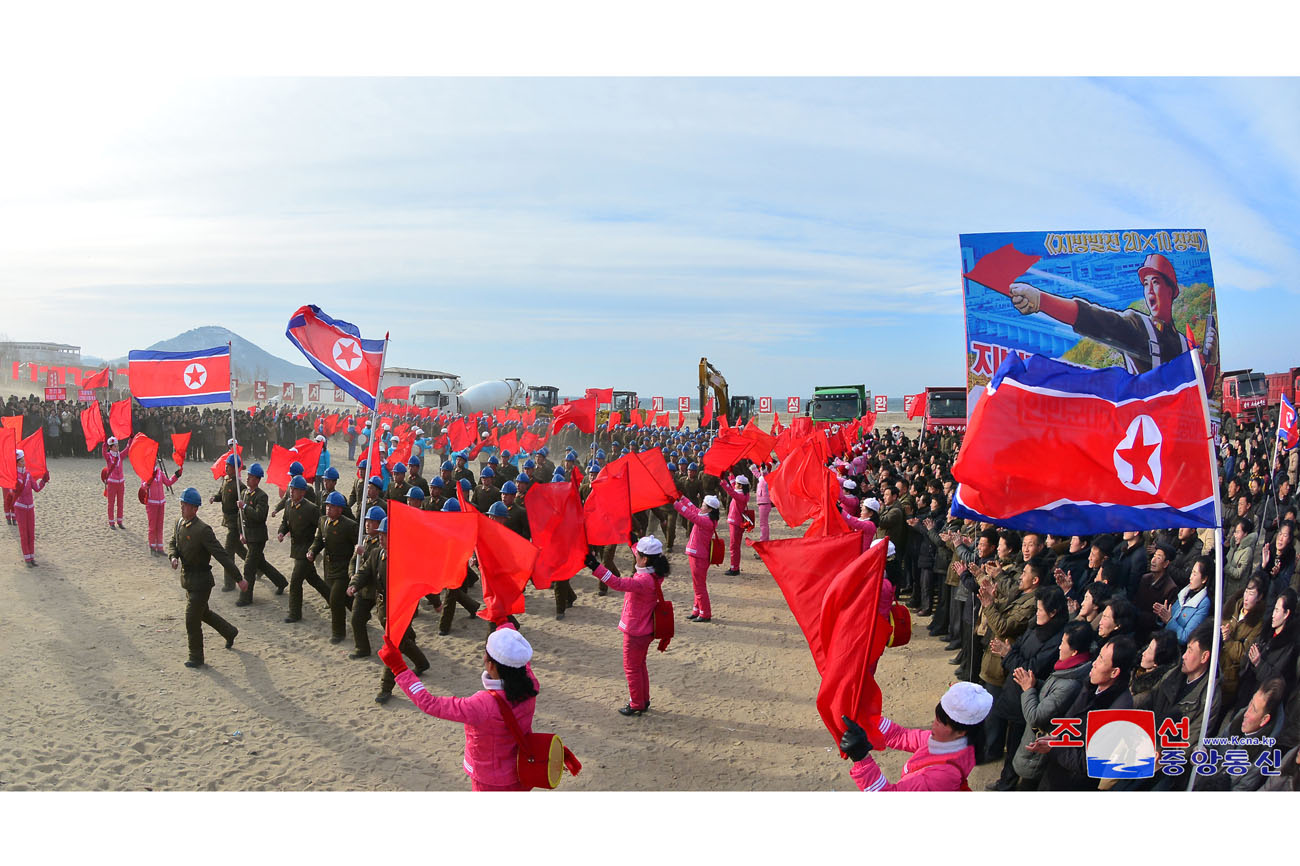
column 437, row 495
column 228, row 495
column 457, row 594
column 485, row 495
column 507, row 470
column 335, row 536
column 358, row 495
column 415, row 479
column 295, row 471
column 374, row 572
column 299, row 523
column 194, row 545
column 397, row 487
column 545, row 469
column 374, row 496
column 462, row 468
column 363, row 588
column 255, row 505
column 330, row 483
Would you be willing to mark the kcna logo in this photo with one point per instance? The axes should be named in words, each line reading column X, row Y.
column 1121, row 744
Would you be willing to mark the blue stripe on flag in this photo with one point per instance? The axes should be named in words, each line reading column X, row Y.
column 1089, row 519
column 149, row 355
column 1110, row 383
column 186, row 399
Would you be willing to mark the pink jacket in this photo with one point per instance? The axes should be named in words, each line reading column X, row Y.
column 25, row 487
column 491, row 753
column 702, row 528
column 849, row 501
column 857, row 524
column 158, row 485
column 944, row 769
column 761, row 494
column 114, row 461
column 642, row 594
column 739, row 500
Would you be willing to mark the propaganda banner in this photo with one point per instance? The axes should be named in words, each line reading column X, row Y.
column 882, row 403
column 683, row 404
column 53, row 394
column 1131, row 298
column 338, row 394
column 313, row 393
column 286, row 392
column 259, row 391
column 765, row 405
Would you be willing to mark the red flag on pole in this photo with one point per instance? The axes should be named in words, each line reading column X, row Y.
column 853, row 636
column 797, row 484
column 9, row 459
column 726, row 449
column 92, row 425
column 458, row 435
column 277, row 471
column 580, row 413
column 607, row 513
column 555, row 521
column 180, row 444
column 706, row 415
column 615, row 418
column 681, row 419
column 119, row 419
column 428, row 551
column 828, row 520
column 603, row 395
column 143, row 454
column 509, row 442
column 506, row 560
column 33, row 448
column 98, row 380
column 219, row 467
column 916, row 407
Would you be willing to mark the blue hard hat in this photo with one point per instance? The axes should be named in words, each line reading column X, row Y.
column 465, row 485
column 615, row 444
column 257, row 471
column 375, row 512
column 672, row 467
column 505, row 455
column 232, row 460
column 414, row 461
column 361, row 464
column 436, row 481
column 498, row 509
column 295, row 468
column 415, row 493
column 692, row 466
column 336, row 498
column 572, row 455
column 331, row 474
column 383, row 524
column 559, row 476
column 487, row 472
column 191, row 496
column 509, row 487
column 297, row 482
column 600, row 454
column 621, row 453
column 400, row 467
column 493, row 461
column 460, row 455
column 451, row 505
column 528, row 464
column 542, row 451
column 447, row 466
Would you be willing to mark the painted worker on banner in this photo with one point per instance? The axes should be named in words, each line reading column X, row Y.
column 1146, row 340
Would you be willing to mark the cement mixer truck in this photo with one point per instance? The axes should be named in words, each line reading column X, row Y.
column 449, row 396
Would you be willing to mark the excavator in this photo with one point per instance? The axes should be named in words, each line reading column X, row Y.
column 622, row 402
column 737, row 409
column 543, row 398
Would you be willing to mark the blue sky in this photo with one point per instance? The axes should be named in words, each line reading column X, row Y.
column 609, row 232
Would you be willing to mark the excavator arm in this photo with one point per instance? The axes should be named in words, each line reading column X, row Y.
column 710, row 378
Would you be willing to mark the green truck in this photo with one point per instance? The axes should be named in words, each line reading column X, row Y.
column 839, row 402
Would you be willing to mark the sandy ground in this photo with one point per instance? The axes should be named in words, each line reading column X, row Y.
column 95, row 696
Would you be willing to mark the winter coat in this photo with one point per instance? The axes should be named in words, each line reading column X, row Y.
column 1143, row 684
column 1007, row 619
column 866, row 527
column 157, row 485
column 1036, row 650
column 739, row 502
column 1152, row 590
column 1076, row 565
column 1232, row 652
column 932, row 767
column 114, row 461
column 1277, row 654
column 1190, row 610
column 1168, row 706
column 491, row 753
column 761, row 494
column 1236, row 566
column 1130, row 565
column 702, row 528
column 25, row 487
column 1181, row 568
column 641, row 594
column 1066, row 767
column 1040, row 705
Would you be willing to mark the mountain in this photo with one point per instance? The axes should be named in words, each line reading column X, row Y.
column 248, row 360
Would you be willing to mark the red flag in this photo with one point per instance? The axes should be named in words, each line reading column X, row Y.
column 615, row 418
column 776, row 425
column 458, row 435
column 98, row 380
column 509, row 442
column 512, row 415
column 330, row 425
column 506, row 560
column 722, row 423
column 853, row 636
column 555, row 521
column 530, row 416
column 14, row 423
column 119, row 419
column 604, row 396
column 662, row 420
column 726, row 449
column 828, row 520
column 999, row 269
column 530, row 442
column 401, row 453
column 428, row 551
column 797, row 485
column 761, row 452
column 277, row 471
column 92, row 425
column 607, row 513
column 9, row 460
column 308, row 454
column 868, row 423
column 219, row 467
column 33, row 448
column 397, row 392
column 461, row 498
column 500, row 415
column 916, row 409
column 580, row 413
column 706, row 416
column 681, row 419
column 650, row 482
column 180, row 444
column 143, row 454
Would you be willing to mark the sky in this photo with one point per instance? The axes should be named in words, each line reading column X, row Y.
column 610, row 231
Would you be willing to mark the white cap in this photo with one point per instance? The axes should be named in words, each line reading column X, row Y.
column 508, row 647
column 712, row 502
column 740, row 479
column 966, row 703
column 388, row 426
column 230, row 441
column 873, row 503
column 891, row 551
column 650, row 546
column 320, row 438
column 18, row 454
column 848, row 484
column 112, row 440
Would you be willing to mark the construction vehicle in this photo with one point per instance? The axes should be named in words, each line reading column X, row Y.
column 543, row 398
column 737, row 409
column 1249, row 396
column 622, row 402
column 838, row 402
column 945, row 408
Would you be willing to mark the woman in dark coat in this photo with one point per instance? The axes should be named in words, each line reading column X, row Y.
column 1273, row 653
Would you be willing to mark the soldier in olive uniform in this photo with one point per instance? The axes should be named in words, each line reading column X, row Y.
column 336, row 537
column 486, row 493
column 363, row 588
column 506, row 471
column 457, row 595
column 415, row 479
column 374, row 573
column 194, row 545
column 516, row 516
column 228, row 495
column 255, row 504
column 358, row 495
column 545, row 469
column 330, row 483
column 397, row 487
column 437, row 495
column 299, row 523
column 295, row 471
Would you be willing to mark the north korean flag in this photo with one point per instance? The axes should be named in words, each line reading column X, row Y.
column 1056, row 448
column 179, row 378
column 336, row 349
column 1288, row 432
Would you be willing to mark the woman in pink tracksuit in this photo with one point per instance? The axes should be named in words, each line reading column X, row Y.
column 25, row 508
column 764, row 500
column 642, row 593
column 704, row 523
column 114, row 484
column 847, row 500
column 491, row 753
column 10, row 517
column 859, row 524
column 942, row 757
column 156, row 505
column 739, row 493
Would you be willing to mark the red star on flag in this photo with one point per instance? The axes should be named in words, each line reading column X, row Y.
column 347, row 354
column 1138, row 455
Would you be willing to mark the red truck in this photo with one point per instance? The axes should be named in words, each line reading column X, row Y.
column 945, row 408
column 1248, row 395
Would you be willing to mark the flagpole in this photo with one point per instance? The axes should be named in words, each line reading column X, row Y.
column 1213, row 671
column 370, row 459
column 234, row 450
column 1269, row 492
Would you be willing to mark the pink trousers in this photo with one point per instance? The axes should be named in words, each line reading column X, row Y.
column 155, row 514
column 9, row 503
column 116, row 495
column 635, row 647
column 764, row 511
column 27, row 531
column 734, row 539
column 699, row 583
